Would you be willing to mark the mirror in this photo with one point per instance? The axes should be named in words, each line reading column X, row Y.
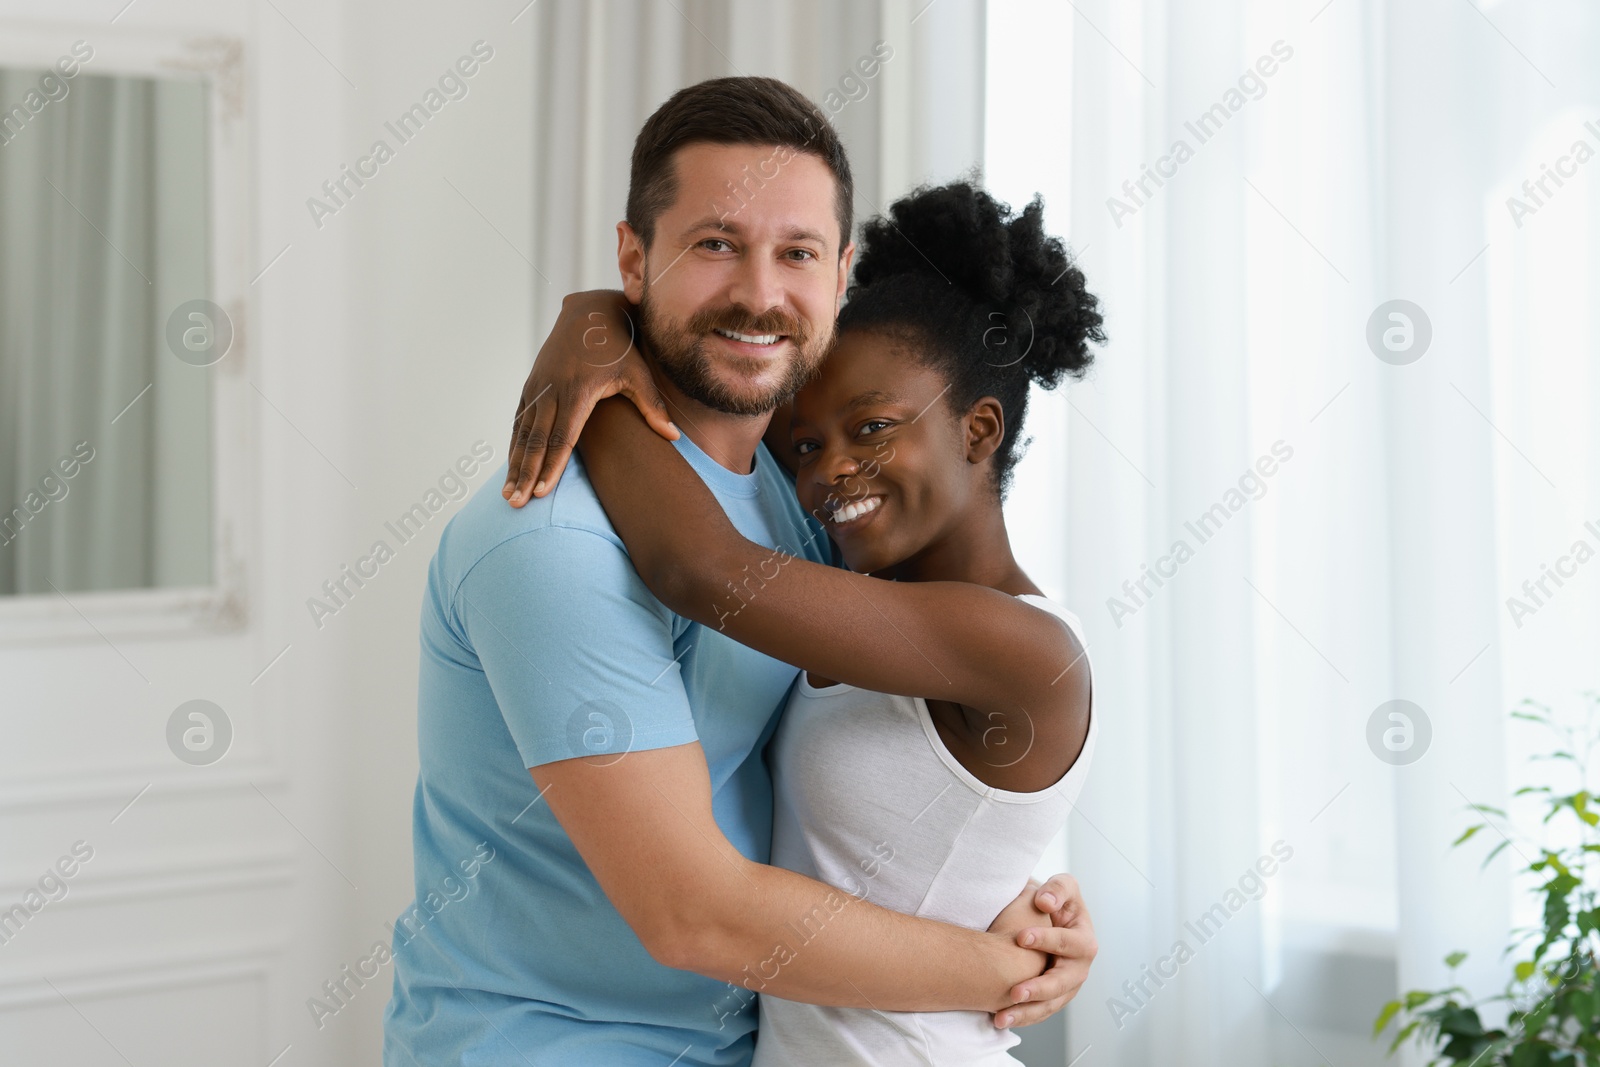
column 108, row 335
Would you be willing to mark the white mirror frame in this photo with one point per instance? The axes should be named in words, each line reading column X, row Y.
column 218, row 62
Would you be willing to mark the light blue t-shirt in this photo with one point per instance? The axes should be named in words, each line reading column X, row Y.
column 540, row 643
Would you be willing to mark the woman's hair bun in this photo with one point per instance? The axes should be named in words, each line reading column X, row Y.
column 1026, row 301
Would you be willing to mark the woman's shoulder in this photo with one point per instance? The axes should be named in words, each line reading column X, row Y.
column 1056, row 608
column 1057, row 732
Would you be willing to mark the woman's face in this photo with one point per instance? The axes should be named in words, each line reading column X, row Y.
column 882, row 458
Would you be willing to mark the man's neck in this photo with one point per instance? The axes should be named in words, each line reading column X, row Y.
column 730, row 440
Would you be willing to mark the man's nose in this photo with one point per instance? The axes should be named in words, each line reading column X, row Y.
column 757, row 286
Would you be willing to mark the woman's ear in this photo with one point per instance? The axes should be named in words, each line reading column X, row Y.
column 986, row 428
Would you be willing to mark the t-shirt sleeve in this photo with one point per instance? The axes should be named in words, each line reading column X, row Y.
column 576, row 650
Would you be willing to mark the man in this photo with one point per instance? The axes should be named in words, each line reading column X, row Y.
column 593, row 812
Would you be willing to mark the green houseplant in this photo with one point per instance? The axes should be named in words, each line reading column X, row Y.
column 1553, row 994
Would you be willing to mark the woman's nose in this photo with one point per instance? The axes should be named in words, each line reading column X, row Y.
column 839, row 475
column 837, row 464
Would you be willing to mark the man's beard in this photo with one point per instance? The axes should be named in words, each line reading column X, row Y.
column 680, row 350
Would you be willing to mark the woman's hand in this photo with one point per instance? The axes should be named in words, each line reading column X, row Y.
column 591, row 354
column 1069, row 939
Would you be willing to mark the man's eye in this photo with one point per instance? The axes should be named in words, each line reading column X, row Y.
column 803, row 253
column 805, row 448
column 867, row 426
column 706, row 244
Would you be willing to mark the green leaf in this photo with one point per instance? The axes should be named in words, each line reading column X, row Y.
column 1524, row 970
column 1417, row 998
column 1390, row 1010
column 1580, row 804
column 1557, row 911
column 1493, row 852
column 1467, row 834
column 1453, row 960
column 1406, row 1032
column 1530, row 1055
column 1535, row 1020
column 1581, row 1006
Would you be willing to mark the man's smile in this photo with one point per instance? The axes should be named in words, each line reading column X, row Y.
column 751, row 338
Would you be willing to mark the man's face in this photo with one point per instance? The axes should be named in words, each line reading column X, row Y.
column 741, row 283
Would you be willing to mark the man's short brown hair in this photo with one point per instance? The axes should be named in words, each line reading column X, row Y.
column 730, row 111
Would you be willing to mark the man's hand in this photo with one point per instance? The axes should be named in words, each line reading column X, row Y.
column 591, row 353
column 1069, row 939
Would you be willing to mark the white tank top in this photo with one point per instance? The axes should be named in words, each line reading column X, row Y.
column 868, row 799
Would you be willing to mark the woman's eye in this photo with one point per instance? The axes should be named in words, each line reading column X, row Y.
column 804, row 448
column 867, row 427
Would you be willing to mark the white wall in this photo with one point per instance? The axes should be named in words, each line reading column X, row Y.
column 387, row 342
column 384, row 343
column 439, row 319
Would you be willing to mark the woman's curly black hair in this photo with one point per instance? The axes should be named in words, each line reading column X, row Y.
column 983, row 295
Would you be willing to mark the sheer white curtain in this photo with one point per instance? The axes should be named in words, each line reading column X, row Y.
column 1402, row 506
column 1248, row 184
column 103, row 217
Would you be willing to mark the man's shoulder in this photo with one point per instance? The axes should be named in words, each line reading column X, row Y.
column 570, row 514
column 805, row 536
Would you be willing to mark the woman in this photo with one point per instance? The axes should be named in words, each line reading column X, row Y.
column 941, row 728
column 939, row 682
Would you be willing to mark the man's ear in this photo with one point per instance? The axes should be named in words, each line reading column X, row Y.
column 630, row 262
column 986, row 428
column 846, row 258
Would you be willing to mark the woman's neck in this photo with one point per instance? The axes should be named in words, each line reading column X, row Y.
column 977, row 549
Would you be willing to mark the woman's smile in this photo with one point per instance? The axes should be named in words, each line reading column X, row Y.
column 850, row 516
